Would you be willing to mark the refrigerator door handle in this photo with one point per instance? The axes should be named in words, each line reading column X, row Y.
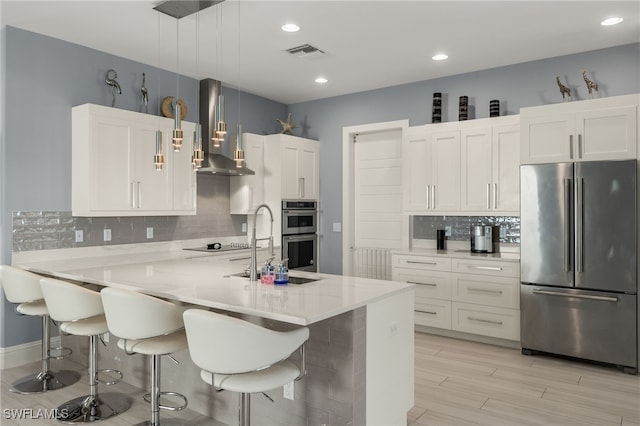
column 580, row 225
column 577, row 296
column 567, row 225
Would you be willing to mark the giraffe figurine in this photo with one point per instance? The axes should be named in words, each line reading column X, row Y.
column 563, row 89
column 591, row 85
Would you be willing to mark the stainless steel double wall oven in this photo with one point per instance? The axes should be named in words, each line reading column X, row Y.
column 299, row 234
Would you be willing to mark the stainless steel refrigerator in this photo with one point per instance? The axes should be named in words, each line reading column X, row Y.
column 579, row 261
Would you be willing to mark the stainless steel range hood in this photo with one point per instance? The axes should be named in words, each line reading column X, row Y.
column 214, row 161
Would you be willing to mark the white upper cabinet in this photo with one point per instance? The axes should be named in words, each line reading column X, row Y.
column 596, row 129
column 491, row 166
column 113, row 173
column 431, row 170
column 292, row 163
column 247, row 192
column 469, row 167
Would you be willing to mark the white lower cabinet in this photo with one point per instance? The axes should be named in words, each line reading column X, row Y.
column 477, row 296
column 503, row 323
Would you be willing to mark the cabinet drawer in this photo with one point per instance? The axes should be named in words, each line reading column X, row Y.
column 433, row 284
column 433, row 313
column 486, row 290
column 486, row 267
column 503, row 323
column 422, row 262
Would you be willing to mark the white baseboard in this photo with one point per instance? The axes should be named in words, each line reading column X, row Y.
column 15, row 356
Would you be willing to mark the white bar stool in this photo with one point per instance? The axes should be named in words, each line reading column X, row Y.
column 148, row 326
column 23, row 288
column 82, row 314
column 239, row 356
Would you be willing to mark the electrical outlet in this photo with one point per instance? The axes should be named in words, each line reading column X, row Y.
column 149, row 232
column 447, row 231
column 107, row 235
column 244, row 227
column 288, row 392
column 79, row 236
column 337, row 227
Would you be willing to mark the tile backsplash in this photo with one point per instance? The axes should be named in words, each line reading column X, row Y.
column 424, row 227
column 44, row 230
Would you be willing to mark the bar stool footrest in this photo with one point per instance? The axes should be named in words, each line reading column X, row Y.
column 109, row 382
column 63, row 352
column 147, row 398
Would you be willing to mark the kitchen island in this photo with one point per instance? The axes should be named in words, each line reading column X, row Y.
column 360, row 352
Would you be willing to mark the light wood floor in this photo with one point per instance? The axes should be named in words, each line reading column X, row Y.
column 465, row 383
column 456, row 383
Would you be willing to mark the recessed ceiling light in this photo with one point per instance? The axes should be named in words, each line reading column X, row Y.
column 290, row 28
column 439, row 57
column 611, row 21
column 321, row 80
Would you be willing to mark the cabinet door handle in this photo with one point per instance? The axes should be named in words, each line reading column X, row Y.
column 300, row 183
column 138, row 194
column 495, row 195
column 488, row 268
column 428, row 312
column 580, row 146
column 484, row 320
column 428, row 196
column 133, row 195
column 433, row 196
column 488, row 196
column 484, row 290
column 571, row 147
column 419, row 283
column 421, row 262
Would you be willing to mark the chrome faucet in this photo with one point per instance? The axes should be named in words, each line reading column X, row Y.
column 253, row 268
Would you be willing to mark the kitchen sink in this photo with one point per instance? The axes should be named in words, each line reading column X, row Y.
column 292, row 280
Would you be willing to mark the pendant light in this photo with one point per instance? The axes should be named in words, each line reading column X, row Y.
column 158, row 159
column 197, row 157
column 178, row 134
column 198, row 153
column 238, row 154
column 220, row 130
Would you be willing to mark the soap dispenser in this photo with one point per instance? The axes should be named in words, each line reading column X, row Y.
column 282, row 274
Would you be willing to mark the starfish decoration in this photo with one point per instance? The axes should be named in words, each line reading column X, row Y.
column 287, row 126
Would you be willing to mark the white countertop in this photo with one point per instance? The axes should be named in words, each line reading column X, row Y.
column 202, row 279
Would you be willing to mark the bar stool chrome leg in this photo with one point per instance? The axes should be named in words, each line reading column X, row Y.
column 45, row 380
column 154, row 399
column 93, row 407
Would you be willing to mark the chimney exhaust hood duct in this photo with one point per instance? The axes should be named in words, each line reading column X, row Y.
column 214, row 161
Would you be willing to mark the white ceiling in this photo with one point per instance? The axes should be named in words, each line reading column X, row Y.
column 368, row 44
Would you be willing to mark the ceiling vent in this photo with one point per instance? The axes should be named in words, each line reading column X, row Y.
column 305, row 51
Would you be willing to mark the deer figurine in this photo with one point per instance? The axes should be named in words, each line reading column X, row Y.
column 591, row 85
column 563, row 89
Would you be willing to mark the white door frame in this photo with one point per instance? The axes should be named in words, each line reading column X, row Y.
column 348, row 166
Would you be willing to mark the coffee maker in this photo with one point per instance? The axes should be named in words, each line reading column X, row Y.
column 485, row 239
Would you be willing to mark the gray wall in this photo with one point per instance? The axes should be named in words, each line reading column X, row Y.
column 42, row 79
column 527, row 84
